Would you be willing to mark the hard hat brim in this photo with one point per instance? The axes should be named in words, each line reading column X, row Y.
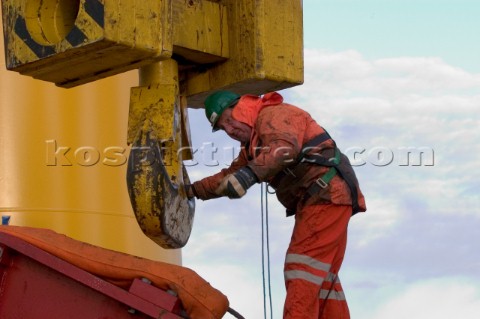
column 231, row 104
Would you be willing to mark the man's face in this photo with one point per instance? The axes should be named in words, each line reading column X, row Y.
column 237, row 130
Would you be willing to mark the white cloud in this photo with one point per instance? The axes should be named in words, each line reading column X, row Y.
column 344, row 80
column 378, row 224
column 440, row 299
column 385, row 297
column 422, row 74
column 334, row 74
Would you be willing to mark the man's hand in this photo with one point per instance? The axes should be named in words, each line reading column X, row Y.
column 190, row 190
column 235, row 185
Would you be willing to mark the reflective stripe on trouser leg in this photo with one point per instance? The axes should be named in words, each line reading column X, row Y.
column 326, row 292
column 313, row 259
column 332, row 301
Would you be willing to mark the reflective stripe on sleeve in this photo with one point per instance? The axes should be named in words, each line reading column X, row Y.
column 306, row 260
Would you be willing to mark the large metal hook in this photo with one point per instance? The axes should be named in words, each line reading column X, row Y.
column 159, row 200
column 156, row 175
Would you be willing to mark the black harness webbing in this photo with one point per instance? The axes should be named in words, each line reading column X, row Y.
column 314, row 142
column 335, row 168
column 317, row 140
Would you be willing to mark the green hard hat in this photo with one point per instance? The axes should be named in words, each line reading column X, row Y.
column 216, row 103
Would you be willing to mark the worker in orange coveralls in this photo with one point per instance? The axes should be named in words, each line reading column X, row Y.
column 283, row 146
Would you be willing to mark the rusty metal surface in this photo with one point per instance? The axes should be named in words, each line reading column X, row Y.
column 161, row 207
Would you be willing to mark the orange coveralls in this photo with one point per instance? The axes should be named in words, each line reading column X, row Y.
column 317, row 246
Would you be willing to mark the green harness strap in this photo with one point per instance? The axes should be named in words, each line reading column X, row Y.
column 327, row 177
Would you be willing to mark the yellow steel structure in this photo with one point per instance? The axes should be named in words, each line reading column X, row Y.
column 248, row 46
column 91, row 39
column 265, row 40
column 185, row 49
column 63, row 161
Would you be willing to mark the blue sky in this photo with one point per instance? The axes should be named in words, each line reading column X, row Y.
column 391, row 28
column 384, row 77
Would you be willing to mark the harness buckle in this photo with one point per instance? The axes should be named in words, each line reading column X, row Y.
column 320, row 182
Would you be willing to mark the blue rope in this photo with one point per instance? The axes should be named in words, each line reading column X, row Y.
column 268, row 253
column 263, row 256
column 266, row 235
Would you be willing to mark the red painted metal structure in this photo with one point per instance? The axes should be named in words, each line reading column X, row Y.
column 36, row 284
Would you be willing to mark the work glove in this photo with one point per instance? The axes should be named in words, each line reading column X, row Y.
column 235, row 185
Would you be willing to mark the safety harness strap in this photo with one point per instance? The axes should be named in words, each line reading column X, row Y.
column 317, row 140
column 353, row 191
column 335, row 168
column 314, row 142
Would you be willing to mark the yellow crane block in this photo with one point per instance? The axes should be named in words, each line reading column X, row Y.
column 265, row 40
column 248, row 46
column 72, row 42
column 200, row 32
